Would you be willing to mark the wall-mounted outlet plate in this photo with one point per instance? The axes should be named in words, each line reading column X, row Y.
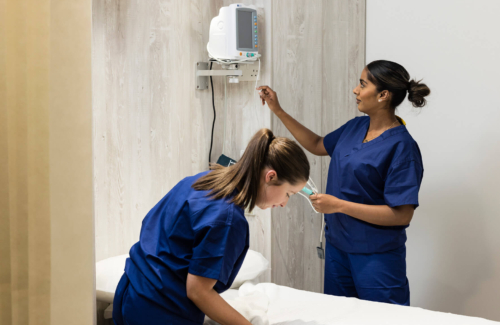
column 250, row 72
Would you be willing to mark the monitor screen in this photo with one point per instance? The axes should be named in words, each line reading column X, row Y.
column 245, row 29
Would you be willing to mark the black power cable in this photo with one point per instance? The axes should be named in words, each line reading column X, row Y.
column 213, row 123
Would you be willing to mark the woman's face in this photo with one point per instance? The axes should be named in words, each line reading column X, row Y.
column 271, row 196
column 367, row 97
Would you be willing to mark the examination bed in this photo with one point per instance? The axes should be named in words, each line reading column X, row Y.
column 268, row 303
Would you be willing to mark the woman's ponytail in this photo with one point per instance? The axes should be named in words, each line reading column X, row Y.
column 252, row 162
column 416, row 93
column 264, row 150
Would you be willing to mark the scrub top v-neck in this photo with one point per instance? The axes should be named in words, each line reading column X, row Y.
column 387, row 170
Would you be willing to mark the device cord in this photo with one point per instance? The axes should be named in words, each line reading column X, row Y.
column 213, row 123
column 255, row 88
column 225, row 116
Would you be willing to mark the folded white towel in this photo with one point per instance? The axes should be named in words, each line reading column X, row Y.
column 251, row 304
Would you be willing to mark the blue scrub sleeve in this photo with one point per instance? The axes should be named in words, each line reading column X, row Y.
column 403, row 183
column 332, row 138
column 216, row 250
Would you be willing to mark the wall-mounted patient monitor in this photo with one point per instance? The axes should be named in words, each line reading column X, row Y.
column 234, row 33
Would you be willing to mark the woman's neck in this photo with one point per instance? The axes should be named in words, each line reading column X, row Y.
column 382, row 120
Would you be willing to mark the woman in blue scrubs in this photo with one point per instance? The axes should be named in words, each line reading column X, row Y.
column 372, row 190
column 193, row 242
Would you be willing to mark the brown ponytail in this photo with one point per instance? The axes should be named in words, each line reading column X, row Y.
column 264, row 150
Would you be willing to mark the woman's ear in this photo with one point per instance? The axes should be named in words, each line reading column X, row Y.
column 271, row 176
column 384, row 95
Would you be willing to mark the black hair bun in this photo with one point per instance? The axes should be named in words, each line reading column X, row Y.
column 416, row 93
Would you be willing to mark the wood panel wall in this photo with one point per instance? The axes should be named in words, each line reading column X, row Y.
column 318, row 55
column 152, row 128
column 146, row 112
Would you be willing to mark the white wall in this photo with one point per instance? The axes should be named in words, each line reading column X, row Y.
column 454, row 240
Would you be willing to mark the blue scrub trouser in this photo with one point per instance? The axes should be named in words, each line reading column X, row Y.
column 129, row 308
column 377, row 277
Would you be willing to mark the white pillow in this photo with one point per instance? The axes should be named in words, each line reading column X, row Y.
column 107, row 275
column 109, row 271
column 254, row 265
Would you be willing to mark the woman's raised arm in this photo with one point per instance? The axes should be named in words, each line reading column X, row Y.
column 308, row 139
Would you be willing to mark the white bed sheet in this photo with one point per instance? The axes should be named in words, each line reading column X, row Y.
column 251, row 304
column 296, row 307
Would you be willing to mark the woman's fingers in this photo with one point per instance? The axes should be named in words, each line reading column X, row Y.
column 265, row 96
column 264, row 93
column 269, row 96
column 266, row 90
column 315, row 200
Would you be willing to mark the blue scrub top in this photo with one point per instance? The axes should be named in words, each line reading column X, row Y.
column 187, row 232
column 387, row 170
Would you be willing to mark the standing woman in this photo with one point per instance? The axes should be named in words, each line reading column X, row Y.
column 194, row 240
column 372, row 190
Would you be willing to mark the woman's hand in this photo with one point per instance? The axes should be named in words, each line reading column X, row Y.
column 200, row 291
column 381, row 215
column 267, row 95
column 324, row 203
column 308, row 139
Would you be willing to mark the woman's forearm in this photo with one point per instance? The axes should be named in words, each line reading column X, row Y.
column 382, row 215
column 215, row 307
column 308, row 139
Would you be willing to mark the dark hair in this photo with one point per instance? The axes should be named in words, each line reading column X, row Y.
column 387, row 75
column 264, row 150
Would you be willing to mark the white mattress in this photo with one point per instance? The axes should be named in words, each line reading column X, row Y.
column 296, row 307
column 282, row 305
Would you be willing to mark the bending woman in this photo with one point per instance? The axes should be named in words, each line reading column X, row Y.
column 372, row 189
column 193, row 242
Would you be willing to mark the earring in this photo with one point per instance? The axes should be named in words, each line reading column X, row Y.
column 380, row 100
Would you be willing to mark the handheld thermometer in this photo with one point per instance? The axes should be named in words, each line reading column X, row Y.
column 307, row 191
column 311, row 191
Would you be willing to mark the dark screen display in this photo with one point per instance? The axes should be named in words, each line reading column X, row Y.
column 244, row 29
